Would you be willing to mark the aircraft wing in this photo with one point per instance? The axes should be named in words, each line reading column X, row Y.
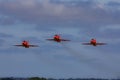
column 86, row 43
column 17, row 45
column 64, row 40
column 50, row 39
column 100, row 43
column 33, row 46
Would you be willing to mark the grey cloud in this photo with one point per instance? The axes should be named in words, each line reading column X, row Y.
column 31, row 38
column 96, row 31
column 2, row 42
column 110, row 33
column 74, row 3
column 44, row 27
column 48, row 12
column 4, row 35
column 113, row 4
column 7, row 20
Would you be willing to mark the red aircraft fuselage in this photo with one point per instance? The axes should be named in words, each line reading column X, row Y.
column 25, row 44
column 57, row 38
column 93, row 42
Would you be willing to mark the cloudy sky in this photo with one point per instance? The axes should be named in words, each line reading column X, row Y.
column 77, row 20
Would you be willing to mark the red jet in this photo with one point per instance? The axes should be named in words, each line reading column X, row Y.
column 57, row 38
column 94, row 43
column 26, row 44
